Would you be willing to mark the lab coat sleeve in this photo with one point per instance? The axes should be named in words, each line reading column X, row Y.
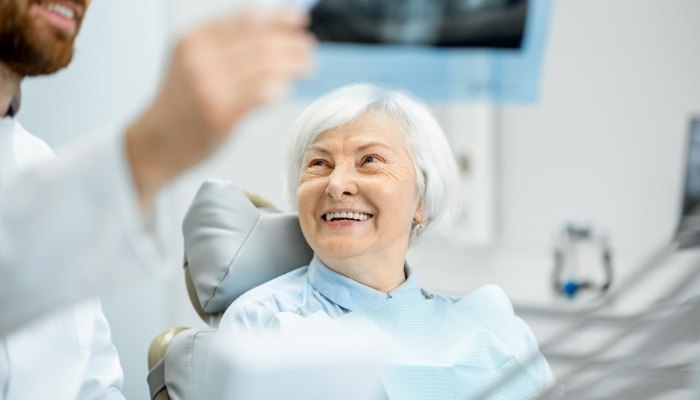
column 103, row 376
column 71, row 229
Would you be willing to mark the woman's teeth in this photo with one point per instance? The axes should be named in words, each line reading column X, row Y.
column 347, row 215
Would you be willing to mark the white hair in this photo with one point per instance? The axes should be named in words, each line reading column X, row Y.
column 437, row 178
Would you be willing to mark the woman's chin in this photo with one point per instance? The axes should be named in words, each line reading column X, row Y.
column 340, row 251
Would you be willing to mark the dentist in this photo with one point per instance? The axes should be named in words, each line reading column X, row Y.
column 74, row 227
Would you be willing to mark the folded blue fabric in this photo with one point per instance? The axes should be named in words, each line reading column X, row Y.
column 474, row 347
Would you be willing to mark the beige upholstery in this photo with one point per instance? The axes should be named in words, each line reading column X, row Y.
column 156, row 353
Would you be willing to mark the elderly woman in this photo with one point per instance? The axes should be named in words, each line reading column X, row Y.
column 371, row 174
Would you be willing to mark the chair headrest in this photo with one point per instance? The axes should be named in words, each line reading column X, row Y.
column 231, row 246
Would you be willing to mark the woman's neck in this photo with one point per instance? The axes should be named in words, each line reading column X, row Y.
column 383, row 274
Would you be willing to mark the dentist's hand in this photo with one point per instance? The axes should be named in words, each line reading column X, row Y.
column 218, row 73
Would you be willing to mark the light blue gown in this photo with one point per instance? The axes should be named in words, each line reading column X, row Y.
column 476, row 345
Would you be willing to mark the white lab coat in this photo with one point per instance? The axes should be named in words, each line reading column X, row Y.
column 69, row 353
column 71, row 229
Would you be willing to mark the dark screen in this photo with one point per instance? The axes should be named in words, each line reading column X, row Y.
column 691, row 198
column 445, row 23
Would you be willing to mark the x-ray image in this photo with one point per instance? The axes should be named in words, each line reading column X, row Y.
column 453, row 23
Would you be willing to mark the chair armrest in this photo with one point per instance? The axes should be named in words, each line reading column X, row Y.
column 156, row 354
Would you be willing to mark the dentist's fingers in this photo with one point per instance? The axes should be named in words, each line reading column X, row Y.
column 218, row 73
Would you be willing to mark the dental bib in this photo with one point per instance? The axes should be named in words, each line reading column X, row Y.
column 431, row 349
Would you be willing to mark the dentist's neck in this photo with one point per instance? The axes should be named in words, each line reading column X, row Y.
column 9, row 90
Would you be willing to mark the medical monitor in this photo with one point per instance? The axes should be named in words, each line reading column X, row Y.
column 688, row 233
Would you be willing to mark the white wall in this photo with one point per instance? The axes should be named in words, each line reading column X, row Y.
column 604, row 145
column 114, row 72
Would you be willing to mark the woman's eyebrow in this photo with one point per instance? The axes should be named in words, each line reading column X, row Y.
column 317, row 149
column 373, row 144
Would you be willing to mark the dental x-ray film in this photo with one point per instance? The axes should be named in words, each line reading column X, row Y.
column 450, row 23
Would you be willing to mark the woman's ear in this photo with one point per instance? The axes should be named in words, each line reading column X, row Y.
column 418, row 220
column 419, row 217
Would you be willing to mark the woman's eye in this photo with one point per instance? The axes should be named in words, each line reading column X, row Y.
column 318, row 163
column 370, row 159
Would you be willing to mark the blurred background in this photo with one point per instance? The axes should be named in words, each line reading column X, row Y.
column 599, row 139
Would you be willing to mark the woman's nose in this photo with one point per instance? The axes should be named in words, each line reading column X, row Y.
column 342, row 183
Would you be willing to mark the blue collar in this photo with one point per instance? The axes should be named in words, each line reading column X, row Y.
column 354, row 296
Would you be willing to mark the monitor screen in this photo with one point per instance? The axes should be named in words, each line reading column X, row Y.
column 688, row 232
column 691, row 196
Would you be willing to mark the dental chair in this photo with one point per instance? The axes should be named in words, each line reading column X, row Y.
column 233, row 242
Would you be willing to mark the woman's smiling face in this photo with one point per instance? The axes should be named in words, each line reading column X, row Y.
column 357, row 195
